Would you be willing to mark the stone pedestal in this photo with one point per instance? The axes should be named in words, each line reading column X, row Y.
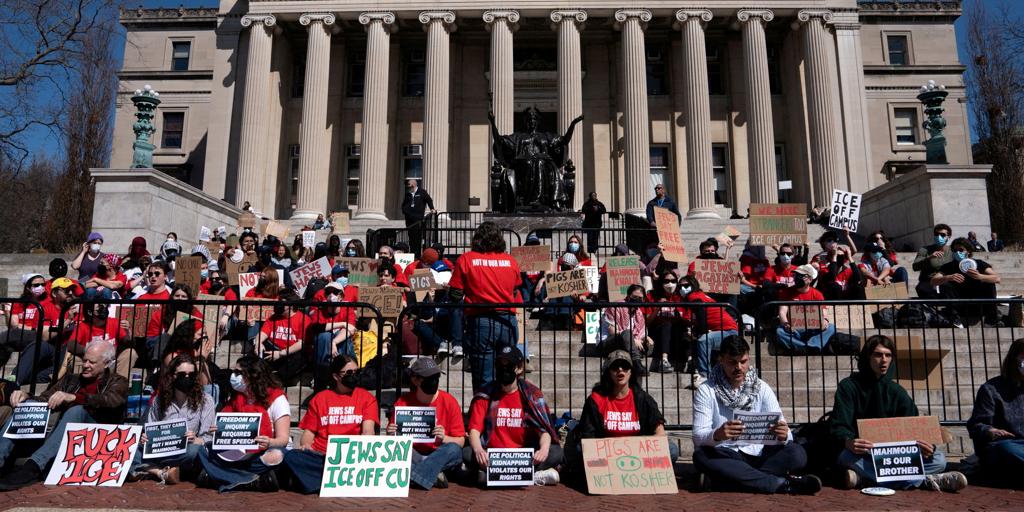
column 523, row 223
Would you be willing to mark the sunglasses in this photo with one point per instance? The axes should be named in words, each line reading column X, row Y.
column 347, row 373
column 154, row 274
column 658, row 188
column 671, row 281
column 184, row 374
column 216, row 279
column 786, row 253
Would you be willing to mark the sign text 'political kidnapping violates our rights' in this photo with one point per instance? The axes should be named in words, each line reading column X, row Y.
column 509, row 467
column 367, row 467
column 29, row 421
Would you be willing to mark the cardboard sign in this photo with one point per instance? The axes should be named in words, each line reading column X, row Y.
column 309, row 239
column 910, row 428
column 621, row 271
column 165, row 439
column 214, row 248
column 897, row 462
column 237, row 431
column 187, row 271
column 416, row 422
column 894, row 291
column 757, row 427
column 367, row 467
column 718, row 276
column 277, row 229
column 404, row 259
column 777, row 224
column 847, row 317
column 629, row 465
column 668, row 234
column 257, row 312
column 301, row 276
column 248, row 220
column 246, row 282
column 340, row 224
column 387, row 299
column 95, row 454
column 593, row 278
column 361, row 271
column 422, row 279
column 29, row 421
column 532, row 258
column 137, row 316
column 728, row 235
column 805, row 317
column 509, row 467
column 232, row 269
column 845, row 210
column 205, row 234
column 569, row 282
column 592, row 326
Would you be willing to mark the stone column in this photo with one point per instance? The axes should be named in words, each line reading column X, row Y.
column 570, row 87
column 760, row 128
column 501, row 24
column 374, row 160
column 853, row 100
column 698, row 114
column 819, row 104
column 313, row 146
column 251, row 164
column 435, row 115
column 637, row 147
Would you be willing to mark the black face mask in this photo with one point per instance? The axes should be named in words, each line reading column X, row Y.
column 350, row 381
column 185, row 383
column 215, row 286
column 430, row 384
column 799, row 281
column 505, row 374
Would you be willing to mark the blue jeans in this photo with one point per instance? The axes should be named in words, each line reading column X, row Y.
column 25, row 373
column 864, row 467
column 323, row 348
column 456, row 316
column 426, row 335
column 900, row 275
column 96, row 293
column 707, row 347
column 426, row 468
column 232, row 474
column 307, row 466
column 1004, row 458
column 45, row 453
column 806, row 340
column 186, row 461
column 486, row 334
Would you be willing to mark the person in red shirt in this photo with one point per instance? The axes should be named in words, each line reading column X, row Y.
column 96, row 324
column 62, row 290
column 803, row 341
column 386, row 257
column 486, row 275
column 666, row 325
column 780, row 275
column 432, row 458
column 839, row 277
column 344, row 410
column 510, row 412
column 106, row 280
column 25, row 317
column 331, row 327
column 575, row 247
column 280, row 341
column 711, row 324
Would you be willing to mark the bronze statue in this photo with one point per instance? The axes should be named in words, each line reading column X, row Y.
column 530, row 172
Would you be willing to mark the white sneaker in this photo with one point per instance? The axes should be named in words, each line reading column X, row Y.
column 545, row 477
column 950, row 481
column 696, row 380
column 443, row 349
column 456, row 354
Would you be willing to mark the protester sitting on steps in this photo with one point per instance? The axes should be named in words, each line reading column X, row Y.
column 711, row 325
column 997, row 422
column 25, row 319
column 667, row 325
column 27, row 371
column 88, row 259
column 625, row 329
column 871, row 393
column 930, row 259
column 803, row 341
column 898, row 272
column 960, row 279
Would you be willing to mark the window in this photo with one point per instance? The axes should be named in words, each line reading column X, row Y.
column 782, row 175
column 357, row 73
column 412, row 164
column 720, row 171
column 173, row 128
column 716, row 81
column 774, row 70
column 657, row 72
column 352, row 154
column 180, row 51
column 659, row 166
column 897, row 48
column 905, row 126
column 415, row 82
column 293, row 173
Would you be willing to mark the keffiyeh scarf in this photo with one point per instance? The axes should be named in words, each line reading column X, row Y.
column 742, row 399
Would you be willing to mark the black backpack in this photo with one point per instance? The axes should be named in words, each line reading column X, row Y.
column 822, row 448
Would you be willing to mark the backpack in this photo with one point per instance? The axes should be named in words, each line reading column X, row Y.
column 822, row 448
column 885, row 318
column 912, row 315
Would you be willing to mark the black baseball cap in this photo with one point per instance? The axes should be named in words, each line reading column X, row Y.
column 509, row 354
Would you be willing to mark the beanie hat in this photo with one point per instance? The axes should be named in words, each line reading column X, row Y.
column 429, row 257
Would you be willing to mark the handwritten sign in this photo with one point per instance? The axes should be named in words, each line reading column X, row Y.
column 805, row 317
column 93, row 454
column 361, row 271
column 257, row 312
column 629, row 465
column 592, row 326
column 509, row 467
column 404, row 259
column 387, row 299
column 567, row 283
column 340, row 223
column 187, row 271
column 301, row 276
column 422, row 279
column 309, row 239
column 247, row 281
column 232, row 269
column 532, row 258
column 718, row 276
column 728, row 235
column 237, row 431
column 669, row 236
column 247, row 220
column 137, row 316
column 757, row 427
column 777, row 224
column 593, row 278
column 277, row 229
column 29, row 421
column 214, row 248
column 622, row 271
column 897, row 462
column 416, row 422
column 165, row 439
column 367, row 467
column 845, row 210
column 909, row 428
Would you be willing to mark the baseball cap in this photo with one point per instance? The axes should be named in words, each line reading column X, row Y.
column 25, row 278
column 62, row 282
column 509, row 354
column 334, row 286
column 339, row 269
column 440, row 266
column 808, row 270
column 616, row 356
column 424, row 367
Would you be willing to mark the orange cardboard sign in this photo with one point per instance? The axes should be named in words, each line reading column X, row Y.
column 669, row 235
column 718, row 276
column 628, row 465
column 910, row 428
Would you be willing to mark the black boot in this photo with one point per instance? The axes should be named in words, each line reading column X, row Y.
column 24, row 476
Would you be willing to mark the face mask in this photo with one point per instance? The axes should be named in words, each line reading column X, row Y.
column 171, row 239
column 565, row 267
column 237, row 383
column 634, row 299
column 685, row 290
column 940, row 239
column 350, row 381
column 506, row 375
column 351, row 253
column 38, row 290
column 574, row 247
column 959, row 255
column 185, row 383
column 786, row 259
column 215, row 286
column 343, row 281
column 204, row 274
column 430, row 384
column 333, row 298
column 669, row 287
column 94, row 248
column 876, row 256
column 799, row 280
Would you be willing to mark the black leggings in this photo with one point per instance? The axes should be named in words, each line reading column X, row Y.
column 670, row 338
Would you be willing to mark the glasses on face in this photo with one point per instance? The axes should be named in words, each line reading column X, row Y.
column 184, row 374
column 347, row 373
column 154, row 274
column 671, row 281
column 786, row 253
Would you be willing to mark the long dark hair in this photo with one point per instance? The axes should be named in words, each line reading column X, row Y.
column 259, row 378
column 27, row 292
column 487, row 238
column 580, row 254
column 178, row 305
column 1010, row 370
column 864, row 358
column 165, row 389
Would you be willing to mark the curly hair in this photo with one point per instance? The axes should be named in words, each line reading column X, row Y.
column 487, row 238
column 259, row 379
column 165, row 388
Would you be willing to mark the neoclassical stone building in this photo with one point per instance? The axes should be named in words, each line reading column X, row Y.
column 307, row 106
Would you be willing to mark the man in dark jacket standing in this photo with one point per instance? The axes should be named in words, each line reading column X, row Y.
column 414, row 207
column 593, row 212
column 661, row 200
column 97, row 395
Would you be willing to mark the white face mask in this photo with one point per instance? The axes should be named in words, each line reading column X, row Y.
column 94, row 248
column 670, row 287
column 685, row 290
column 38, row 290
column 238, row 383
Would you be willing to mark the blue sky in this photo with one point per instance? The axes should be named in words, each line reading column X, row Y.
column 1016, row 9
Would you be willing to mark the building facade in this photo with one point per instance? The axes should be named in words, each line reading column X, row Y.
column 304, row 107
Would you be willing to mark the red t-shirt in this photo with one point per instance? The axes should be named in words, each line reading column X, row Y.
column 333, row 414
column 155, row 325
column 753, row 269
column 164, row 295
column 508, row 430
column 29, row 314
column 348, row 294
column 718, row 318
column 111, row 331
column 486, row 278
column 796, row 294
column 780, row 275
column 319, row 316
column 620, row 417
column 230, row 294
column 449, row 416
column 667, row 311
column 285, row 332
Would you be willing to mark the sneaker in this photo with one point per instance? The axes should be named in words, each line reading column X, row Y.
column 443, row 350
column 696, row 380
column 442, row 481
column 481, row 477
column 950, row 481
column 703, row 482
column 203, row 480
column 851, row 480
column 170, row 475
column 24, row 476
column 456, row 354
column 545, row 477
column 806, row 485
column 662, row 366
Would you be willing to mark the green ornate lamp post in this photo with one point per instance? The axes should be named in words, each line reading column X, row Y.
column 932, row 96
column 146, row 101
